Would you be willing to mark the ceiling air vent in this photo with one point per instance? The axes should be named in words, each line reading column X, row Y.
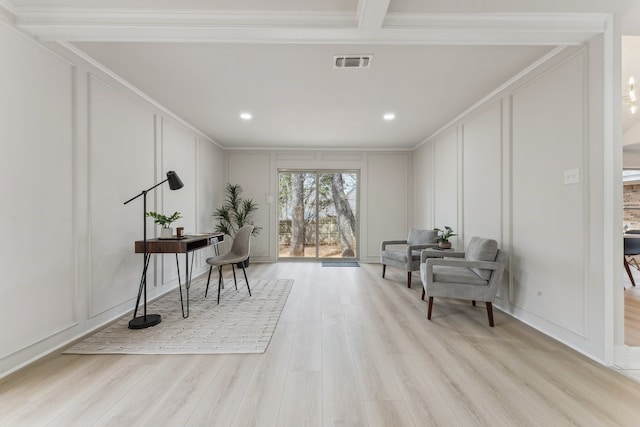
column 352, row 61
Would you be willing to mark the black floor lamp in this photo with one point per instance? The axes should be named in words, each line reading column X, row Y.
column 147, row 320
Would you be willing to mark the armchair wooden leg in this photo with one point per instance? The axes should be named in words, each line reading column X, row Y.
column 408, row 279
column 423, row 293
column 490, row 313
column 430, row 307
column 384, row 269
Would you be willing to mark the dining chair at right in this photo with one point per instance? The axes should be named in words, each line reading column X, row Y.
column 631, row 249
column 240, row 251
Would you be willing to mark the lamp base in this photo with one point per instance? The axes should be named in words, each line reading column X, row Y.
column 147, row 321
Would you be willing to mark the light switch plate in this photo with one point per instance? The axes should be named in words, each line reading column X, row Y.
column 572, row 176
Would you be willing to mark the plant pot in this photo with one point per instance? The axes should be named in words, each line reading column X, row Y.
column 445, row 245
column 245, row 262
column 166, row 233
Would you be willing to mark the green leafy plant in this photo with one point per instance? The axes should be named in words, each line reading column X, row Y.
column 235, row 213
column 163, row 220
column 444, row 235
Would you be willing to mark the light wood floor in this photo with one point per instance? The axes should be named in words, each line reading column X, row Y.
column 351, row 349
column 632, row 316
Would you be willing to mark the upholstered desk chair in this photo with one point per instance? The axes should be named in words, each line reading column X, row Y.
column 240, row 250
column 407, row 257
column 473, row 275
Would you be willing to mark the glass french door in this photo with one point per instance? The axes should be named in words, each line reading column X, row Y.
column 318, row 214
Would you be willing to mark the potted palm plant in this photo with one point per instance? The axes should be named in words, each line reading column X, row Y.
column 166, row 232
column 235, row 213
column 444, row 235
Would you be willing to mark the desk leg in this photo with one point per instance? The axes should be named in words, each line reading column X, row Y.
column 189, row 272
column 187, row 285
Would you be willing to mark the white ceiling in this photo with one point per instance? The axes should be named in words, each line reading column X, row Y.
column 209, row 60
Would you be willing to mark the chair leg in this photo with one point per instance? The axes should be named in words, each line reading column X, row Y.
column 408, row 279
column 423, row 293
column 234, row 276
column 430, row 307
column 245, row 279
column 384, row 269
column 219, row 281
column 490, row 313
column 626, row 267
column 473, row 303
column 208, row 278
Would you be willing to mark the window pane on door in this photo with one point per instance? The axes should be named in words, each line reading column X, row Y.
column 337, row 218
column 297, row 214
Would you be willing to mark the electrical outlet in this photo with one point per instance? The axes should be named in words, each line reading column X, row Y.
column 572, row 176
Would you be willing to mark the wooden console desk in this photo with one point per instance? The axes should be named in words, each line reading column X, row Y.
column 188, row 243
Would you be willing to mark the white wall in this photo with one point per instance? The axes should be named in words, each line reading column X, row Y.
column 513, row 151
column 75, row 144
column 386, row 181
column 632, row 136
column 446, row 179
column 39, row 286
column 631, row 159
column 252, row 171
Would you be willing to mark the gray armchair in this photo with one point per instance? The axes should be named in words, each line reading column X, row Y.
column 407, row 258
column 472, row 275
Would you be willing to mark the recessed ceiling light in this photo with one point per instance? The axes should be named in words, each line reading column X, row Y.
column 389, row 116
column 246, row 116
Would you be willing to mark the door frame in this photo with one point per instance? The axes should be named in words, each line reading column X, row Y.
column 317, row 172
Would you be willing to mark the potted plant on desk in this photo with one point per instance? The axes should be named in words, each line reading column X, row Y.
column 444, row 236
column 166, row 232
column 235, row 213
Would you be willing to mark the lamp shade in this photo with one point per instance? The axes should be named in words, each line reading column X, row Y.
column 175, row 183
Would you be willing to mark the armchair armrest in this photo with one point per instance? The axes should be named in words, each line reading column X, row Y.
column 440, row 254
column 411, row 248
column 485, row 265
column 384, row 243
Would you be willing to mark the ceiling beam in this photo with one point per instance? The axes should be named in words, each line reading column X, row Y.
column 296, row 27
column 371, row 14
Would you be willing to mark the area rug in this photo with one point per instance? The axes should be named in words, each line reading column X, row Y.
column 340, row 264
column 240, row 324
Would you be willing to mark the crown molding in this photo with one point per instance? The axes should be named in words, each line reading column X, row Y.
column 63, row 47
column 487, row 98
column 296, row 27
column 7, row 11
column 580, row 22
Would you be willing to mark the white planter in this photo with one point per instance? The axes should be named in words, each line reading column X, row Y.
column 166, row 233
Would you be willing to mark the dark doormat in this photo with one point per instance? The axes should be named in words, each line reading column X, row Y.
column 339, row 264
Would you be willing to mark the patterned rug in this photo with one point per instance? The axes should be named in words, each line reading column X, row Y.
column 240, row 324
